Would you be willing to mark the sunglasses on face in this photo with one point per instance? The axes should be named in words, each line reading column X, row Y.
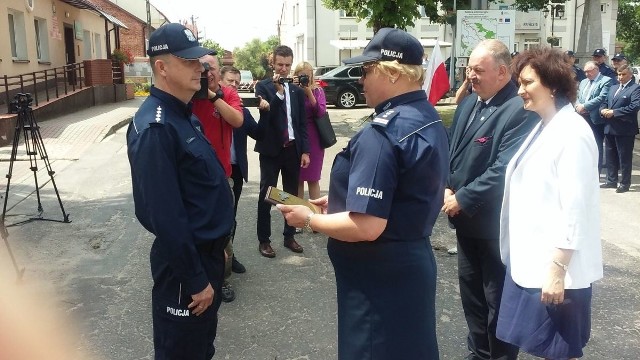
column 364, row 68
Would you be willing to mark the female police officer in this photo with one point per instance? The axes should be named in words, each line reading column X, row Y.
column 386, row 190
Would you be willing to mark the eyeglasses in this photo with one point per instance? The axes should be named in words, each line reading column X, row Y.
column 365, row 67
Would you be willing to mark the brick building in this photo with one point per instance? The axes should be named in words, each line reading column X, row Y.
column 133, row 38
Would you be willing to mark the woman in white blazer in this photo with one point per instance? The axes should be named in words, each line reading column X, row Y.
column 550, row 220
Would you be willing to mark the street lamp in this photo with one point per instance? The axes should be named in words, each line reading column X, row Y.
column 556, row 10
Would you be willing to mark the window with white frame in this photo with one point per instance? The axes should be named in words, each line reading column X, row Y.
column 346, row 14
column 603, row 7
column 531, row 43
column 86, row 44
column 42, row 39
column 97, row 43
column 17, row 35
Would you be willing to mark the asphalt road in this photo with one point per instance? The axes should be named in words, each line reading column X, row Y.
column 94, row 272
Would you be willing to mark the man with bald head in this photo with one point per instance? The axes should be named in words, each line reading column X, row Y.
column 488, row 128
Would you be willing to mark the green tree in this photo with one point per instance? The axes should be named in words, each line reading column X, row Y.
column 628, row 28
column 210, row 44
column 254, row 56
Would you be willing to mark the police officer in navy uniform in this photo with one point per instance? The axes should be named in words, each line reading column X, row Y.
column 386, row 189
column 599, row 56
column 579, row 73
column 182, row 197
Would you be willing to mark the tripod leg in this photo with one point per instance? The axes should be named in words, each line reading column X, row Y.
column 30, row 145
column 12, row 160
column 38, row 146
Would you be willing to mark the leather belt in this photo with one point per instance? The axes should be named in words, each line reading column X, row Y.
column 213, row 246
column 289, row 143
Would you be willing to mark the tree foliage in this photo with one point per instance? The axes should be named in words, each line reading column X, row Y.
column 628, row 28
column 254, row 56
column 210, row 44
column 402, row 13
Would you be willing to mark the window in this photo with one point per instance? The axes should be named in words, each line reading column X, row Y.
column 347, row 14
column 97, row 43
column 86, row 44
column 423, row 13
column 42, row 39
column 531, row 43
column 603, row 7
column 17, row 35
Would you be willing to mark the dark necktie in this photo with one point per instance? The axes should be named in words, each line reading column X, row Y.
column 480, row 105
column 620, row 88
column 285, row 134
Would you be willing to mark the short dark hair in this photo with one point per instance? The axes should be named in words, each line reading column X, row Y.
column 282, row 50
column 228, row 69
column 553, row 69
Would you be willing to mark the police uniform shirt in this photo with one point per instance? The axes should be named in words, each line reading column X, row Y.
column 180, row 190
column 395, row 168
column 607, row 70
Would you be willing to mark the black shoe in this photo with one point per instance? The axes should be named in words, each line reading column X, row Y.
column 228, row 295
column 608, row 186
column 622, row 189
column 237, row 267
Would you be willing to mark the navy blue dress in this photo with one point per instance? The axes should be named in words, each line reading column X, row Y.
column 396, row 169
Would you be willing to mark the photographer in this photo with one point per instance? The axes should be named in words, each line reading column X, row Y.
column 219, row 112
column 315, row 106
column 284, row 148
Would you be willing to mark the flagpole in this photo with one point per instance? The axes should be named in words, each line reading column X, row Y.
column 452, row 62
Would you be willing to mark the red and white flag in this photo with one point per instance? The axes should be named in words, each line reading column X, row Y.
column 436, row 81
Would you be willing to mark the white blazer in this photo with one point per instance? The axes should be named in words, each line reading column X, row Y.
column 552, row 200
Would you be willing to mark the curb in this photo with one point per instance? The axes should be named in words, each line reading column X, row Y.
column 117, row 126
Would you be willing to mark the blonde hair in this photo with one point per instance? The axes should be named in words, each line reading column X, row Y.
column 306, row 66
column 415, row 73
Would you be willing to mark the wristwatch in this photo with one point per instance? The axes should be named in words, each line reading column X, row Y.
column 563, row 266
column 307, row 223
column 219, row 95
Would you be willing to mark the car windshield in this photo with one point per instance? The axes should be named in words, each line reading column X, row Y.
column 246, row 76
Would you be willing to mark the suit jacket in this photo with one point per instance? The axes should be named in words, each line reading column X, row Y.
column 274, row 127
column 479, row 158
column 552, row 200
column 592, row 99
column 625, row 110
column 251, row 128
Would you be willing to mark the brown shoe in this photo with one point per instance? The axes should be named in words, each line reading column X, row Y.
column 292, row 245
column 266, row 250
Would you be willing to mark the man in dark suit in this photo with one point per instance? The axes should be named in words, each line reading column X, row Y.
column 284, row 148
column 488, row 128
column 620, row 112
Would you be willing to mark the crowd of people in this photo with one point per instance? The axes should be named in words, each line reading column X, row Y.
column 517, row 175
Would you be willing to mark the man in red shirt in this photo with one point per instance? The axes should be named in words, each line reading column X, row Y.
column 219, row 114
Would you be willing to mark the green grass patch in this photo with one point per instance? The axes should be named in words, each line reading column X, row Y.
column 446, row 114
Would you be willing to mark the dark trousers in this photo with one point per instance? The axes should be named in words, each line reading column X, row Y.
column 481, row 275
column 238, row 183
column 598, row 134
column 177, row 333
column 619, row 155
column 286, row 162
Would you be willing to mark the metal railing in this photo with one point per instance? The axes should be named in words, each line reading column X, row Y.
column 49, row 83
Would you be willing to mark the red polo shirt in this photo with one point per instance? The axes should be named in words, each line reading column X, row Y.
column 215, row 128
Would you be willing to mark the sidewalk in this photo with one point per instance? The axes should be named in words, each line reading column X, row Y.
column 65, row 139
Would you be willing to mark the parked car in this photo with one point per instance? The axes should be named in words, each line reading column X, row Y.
column 321, row 70
column 636, row 73
column 246, row 81
column 341, row 86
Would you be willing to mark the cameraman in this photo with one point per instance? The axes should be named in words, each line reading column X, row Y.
column 219, row 113
column 284, row 149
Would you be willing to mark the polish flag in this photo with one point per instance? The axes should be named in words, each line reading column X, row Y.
column 436, row 80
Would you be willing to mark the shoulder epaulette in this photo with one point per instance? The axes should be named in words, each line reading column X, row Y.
column 143, row 119
column 384, row 118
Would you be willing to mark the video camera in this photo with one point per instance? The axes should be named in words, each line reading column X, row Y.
column 283, row 80
column 203, row 93
column 20, row 101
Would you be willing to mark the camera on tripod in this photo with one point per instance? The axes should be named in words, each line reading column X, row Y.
column 203, row 93
column 20, row 102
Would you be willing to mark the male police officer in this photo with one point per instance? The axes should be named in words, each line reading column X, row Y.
column 182, row 196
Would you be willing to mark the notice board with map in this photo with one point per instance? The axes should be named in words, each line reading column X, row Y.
column 474, row 26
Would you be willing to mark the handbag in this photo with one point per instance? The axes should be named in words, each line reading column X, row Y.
column 325, row 131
